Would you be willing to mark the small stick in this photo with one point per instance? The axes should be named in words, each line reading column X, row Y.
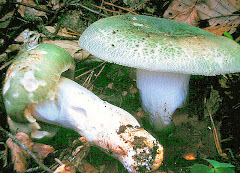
column 89, row 70
column 117, row 12
column 6, row 64
column 215, row 135
column 92, row 10
column 83, row 74
column 75, row 32
column 120, row 7
column 70, row 33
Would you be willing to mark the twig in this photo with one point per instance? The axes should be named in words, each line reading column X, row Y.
column 74, row 32
column 6, row 64
column 117, row 12
column 86, row 72
column 229, row 15
column 215, row 135
column 27, row 150
column 99, row 73
column 88, row 78
column 71, row 33
column 120, row 7
column 89, row 9
column 89, row 70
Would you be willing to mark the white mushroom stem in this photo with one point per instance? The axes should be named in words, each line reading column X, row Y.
column 114, row 130
column 161, row 94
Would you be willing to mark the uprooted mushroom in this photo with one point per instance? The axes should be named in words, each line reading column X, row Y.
column 36, row 95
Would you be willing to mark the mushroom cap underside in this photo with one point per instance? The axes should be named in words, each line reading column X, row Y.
column 33, row 77
column 158, row 44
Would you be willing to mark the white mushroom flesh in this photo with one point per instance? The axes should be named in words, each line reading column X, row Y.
column 161, row 94
column 114, row 130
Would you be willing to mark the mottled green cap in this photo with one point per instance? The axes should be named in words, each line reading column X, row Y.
column 33, row 77
column 158, row 44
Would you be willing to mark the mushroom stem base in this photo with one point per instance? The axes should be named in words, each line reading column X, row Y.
column 161, row 94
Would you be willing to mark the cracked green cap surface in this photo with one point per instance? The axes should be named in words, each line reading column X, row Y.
column 33, row 77
column 158, row 44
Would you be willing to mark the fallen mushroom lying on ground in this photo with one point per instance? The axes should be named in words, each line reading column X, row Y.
column 35, row 95
column 165, row 54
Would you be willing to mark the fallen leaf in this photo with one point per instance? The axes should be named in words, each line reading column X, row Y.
column 110, row 86
column 215, row 11
column 64, row 169
column 24, row 10
column 219, row 30
column 189, row 16
column 71, row 46
column 42, row 150
column 133, row 90
column 20, row 156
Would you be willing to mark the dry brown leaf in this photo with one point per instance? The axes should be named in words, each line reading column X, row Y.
column 110, row 86
column 64, row 169
column 217, row 12
column 219, row 30
column 42, row 150
column 72, row 47
column 133, row 90
column 189, row 16
column 20, row 156
column 23, row 10
column 62, row 32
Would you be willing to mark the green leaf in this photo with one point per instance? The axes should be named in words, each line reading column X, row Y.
column 200, row 168
column 224, row 170
column 228, row 35
column 217, row 164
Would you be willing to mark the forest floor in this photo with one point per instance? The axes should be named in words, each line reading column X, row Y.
column 192, row 140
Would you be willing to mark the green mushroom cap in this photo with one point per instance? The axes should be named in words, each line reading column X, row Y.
column 163, row 45
column 34, row 77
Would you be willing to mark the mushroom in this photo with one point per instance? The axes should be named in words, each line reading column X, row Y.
column 165, row 54
column 36, row 95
